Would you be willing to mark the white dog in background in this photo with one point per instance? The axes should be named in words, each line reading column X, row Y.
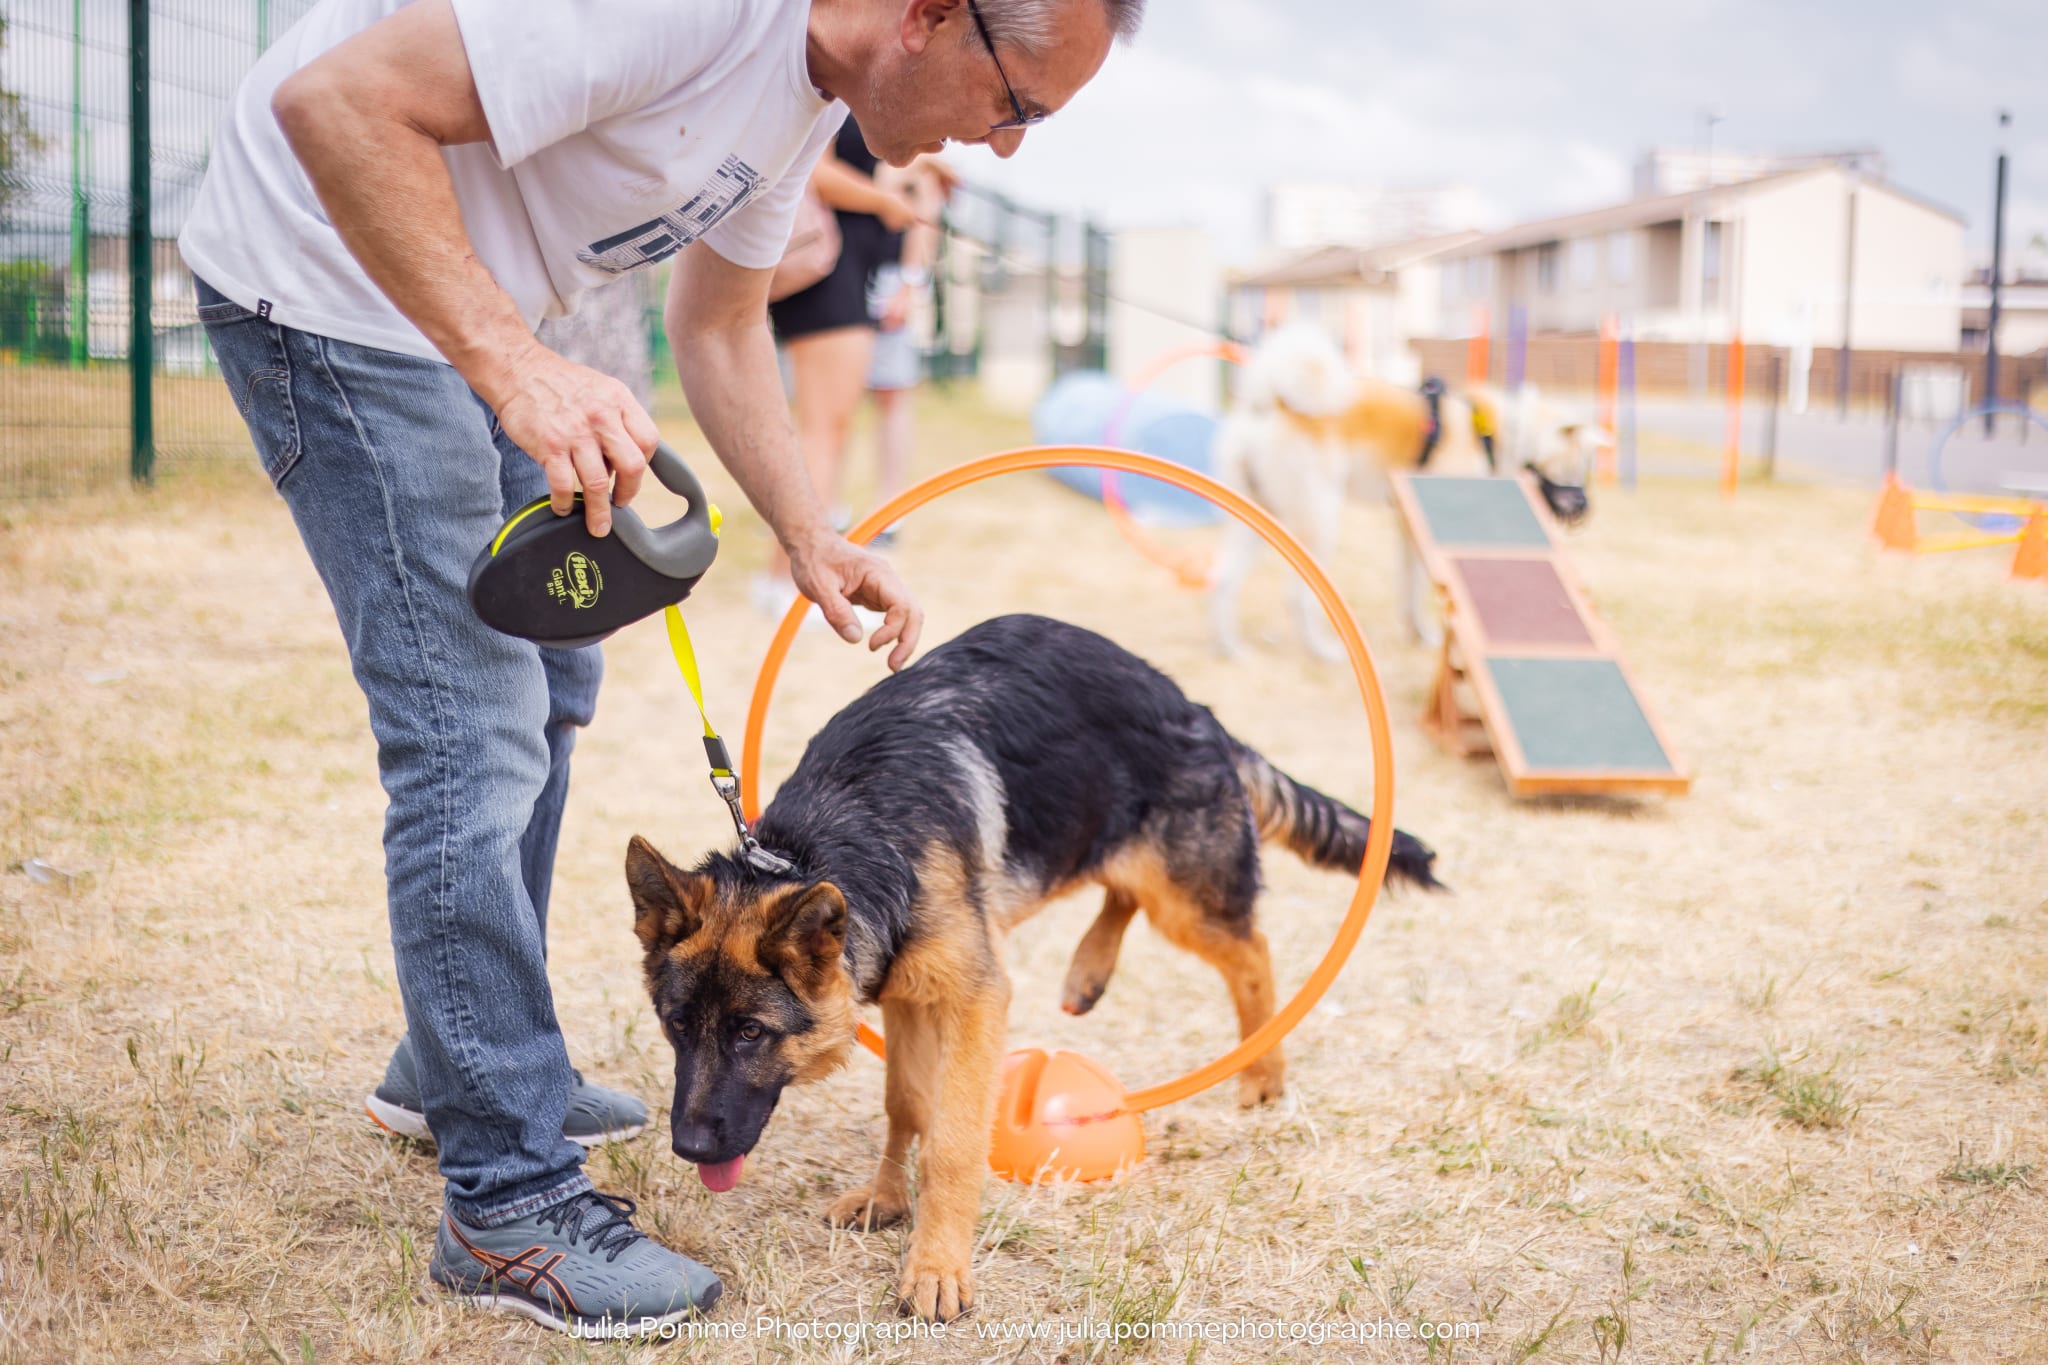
column 1297, row 471
column 1305, row 428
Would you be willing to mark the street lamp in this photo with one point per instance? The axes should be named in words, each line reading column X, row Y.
column 1997, row 271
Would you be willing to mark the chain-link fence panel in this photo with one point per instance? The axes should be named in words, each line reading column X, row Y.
column 69, row 379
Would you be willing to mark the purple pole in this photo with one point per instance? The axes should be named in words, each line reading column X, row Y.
column 1518, row 346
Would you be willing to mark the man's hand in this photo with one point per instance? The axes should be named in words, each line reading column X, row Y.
column 584, row 428
column 839, row 575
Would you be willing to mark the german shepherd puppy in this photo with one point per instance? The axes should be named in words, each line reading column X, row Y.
column 948, row 803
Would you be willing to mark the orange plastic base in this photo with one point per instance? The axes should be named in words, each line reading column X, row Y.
column 1894, row 525
column 2031, row 560
column 1062, row 1116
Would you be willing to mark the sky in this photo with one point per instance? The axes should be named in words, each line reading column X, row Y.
column 1529, row 106
column 1536, row 108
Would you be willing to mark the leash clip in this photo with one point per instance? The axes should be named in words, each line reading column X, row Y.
column 728, row 788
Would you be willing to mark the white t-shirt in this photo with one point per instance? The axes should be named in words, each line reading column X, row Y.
column 621, row 131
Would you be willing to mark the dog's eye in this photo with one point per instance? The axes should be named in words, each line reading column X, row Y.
column 750, row 1032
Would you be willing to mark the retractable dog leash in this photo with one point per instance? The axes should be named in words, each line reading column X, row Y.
column 723, row 779
column 549, row 580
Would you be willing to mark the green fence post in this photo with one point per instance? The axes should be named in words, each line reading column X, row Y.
column 141, row 254
column 81, row 266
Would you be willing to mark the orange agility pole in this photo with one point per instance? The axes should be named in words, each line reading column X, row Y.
column 1610, row 390
column 1477, row 363
column 1731, row 451
column 1194, row 570
column 1379, row 845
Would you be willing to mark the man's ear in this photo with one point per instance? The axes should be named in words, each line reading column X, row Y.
column 921, row 21
column 806, row 932
column 668, row 903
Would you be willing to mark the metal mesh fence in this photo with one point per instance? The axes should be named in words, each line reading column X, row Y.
column 67, row 389
column 1021, row 295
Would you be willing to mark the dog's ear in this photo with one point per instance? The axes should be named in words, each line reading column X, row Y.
column 806, row 932
column 668, row 903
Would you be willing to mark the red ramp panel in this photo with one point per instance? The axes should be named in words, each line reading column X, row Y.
column 1527, row 670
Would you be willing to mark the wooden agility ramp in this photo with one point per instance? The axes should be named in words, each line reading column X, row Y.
column 1527, row 669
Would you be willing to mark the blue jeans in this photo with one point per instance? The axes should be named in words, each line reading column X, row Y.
column 397, row 475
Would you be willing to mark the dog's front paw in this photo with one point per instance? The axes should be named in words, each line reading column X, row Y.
column 862, row 1210
column 1260, row 1084
column 935, row 1290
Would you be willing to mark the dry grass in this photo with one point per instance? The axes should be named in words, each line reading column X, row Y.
column 1758, row 1073
column 65, row 431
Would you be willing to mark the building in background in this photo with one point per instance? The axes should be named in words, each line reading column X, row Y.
column 1676, row 170
column 1372, row 302
column 1164, row 284
column 1815, row 257
column 2022, row 312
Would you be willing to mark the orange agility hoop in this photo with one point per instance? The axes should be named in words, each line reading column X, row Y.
column 1193, row 570
column 1379, row 844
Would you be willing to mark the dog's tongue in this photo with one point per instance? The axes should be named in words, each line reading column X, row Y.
column 722, row 1176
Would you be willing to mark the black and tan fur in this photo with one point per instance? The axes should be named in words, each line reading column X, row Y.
column 1014, row 764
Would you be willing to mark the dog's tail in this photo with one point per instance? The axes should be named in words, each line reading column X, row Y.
column 1321, row 830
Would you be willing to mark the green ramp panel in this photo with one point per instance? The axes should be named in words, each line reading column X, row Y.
column 1576, row 715
column 1469, row 512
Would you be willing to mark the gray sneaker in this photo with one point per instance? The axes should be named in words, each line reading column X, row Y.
column 579, row 1266
column 595, row 1115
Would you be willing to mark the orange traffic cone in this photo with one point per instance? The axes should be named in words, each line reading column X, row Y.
column 1895, row 527
column 2032, row 559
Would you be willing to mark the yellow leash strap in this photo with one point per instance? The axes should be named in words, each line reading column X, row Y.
column 723, row 779
column 686, row 661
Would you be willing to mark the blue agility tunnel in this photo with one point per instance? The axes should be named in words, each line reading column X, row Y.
column 1078, row 409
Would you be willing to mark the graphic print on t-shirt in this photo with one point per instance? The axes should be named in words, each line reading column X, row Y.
column 732, row 185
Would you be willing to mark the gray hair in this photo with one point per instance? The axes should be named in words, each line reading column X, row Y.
column 1031, row 25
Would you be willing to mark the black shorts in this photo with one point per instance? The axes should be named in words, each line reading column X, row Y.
column 841, row 298
column 838, row 300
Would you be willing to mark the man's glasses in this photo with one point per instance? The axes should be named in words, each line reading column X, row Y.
column 1015, row 106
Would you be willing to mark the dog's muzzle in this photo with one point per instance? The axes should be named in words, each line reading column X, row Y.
column 1568, row 501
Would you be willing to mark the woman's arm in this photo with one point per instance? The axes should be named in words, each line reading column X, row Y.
column 846, row 189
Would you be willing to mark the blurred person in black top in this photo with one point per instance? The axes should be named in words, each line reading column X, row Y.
column 827, row 328
column 898, row 364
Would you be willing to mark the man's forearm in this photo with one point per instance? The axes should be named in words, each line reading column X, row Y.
column 730, row 377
